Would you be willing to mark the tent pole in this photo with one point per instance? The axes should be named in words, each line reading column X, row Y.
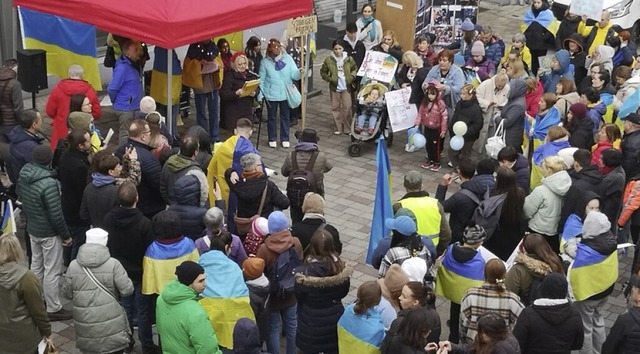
column 303, row 83
column 170, row 117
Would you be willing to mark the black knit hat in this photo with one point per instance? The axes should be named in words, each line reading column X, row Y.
column 554, row 286
column 167, row 224
column 188, row 271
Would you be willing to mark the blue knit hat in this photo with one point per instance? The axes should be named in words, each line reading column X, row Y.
column 277, row 221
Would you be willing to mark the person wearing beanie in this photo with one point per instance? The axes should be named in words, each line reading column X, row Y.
column 100, row 322
column 214, row 225
column 463, row 45
column 479, row 63
column 405, row 244
column 147, row 105
column 560, row 67
column 392, row 283
column 255, row 238
column 623, row 336
column 461, row 269
column 314, row 219
column 580, row 126
column 169, row 249
column 181, row 321
column 550, row 324
column 282, row 309
column 246, row 337
column 259, row 289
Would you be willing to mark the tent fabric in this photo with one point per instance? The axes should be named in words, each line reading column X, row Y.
column 172, row 23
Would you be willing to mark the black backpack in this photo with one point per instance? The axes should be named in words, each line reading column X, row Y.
column 488, row 210
column 301, row 182
column 281, row 275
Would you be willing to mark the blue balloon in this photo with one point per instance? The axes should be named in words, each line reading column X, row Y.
column 456, row 143
column 418, row 141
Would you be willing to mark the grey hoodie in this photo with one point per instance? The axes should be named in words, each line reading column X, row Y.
column 544, row 205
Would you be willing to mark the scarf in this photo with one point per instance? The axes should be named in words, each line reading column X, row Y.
column 253, row 174
column 366, row 22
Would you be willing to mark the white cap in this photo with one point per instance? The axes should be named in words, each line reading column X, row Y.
column 97, row 235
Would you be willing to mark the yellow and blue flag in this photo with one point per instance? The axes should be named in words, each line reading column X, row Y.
column 572, row 228
column 361, row 334
column 592, row 272
column 67, row 42
column 455, row 278
column 160, row 262
column 630, row 105
column 8, row 219
column 544, row 18
column 382, row 208
column 158, row 89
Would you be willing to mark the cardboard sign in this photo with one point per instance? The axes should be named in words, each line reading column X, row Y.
column 378, row 66
column 301, row 26
column 402, row 114
column 591, row 8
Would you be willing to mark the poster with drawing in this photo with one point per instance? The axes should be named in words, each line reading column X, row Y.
column 378, row 66
column 402, row 114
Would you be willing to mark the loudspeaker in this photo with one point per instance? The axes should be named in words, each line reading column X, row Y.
column 32, row 69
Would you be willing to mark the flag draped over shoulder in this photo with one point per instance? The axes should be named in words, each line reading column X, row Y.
column 382, row 208
column 592, row 272
column 360, row 334
column 545, row 18
column 67, row 42
column 630, row 105
column 454, row 278
column 8, row 219
column 158, row 89
column 572, row 228
column 160, row 262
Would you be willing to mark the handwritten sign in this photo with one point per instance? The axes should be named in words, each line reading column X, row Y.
column 378, row 66
column 591, row 8
column 301, row 26
column 402, row 114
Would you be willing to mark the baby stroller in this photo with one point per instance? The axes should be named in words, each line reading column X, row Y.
column 382, row 124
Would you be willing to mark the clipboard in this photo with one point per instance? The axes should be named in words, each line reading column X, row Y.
column 250, row 87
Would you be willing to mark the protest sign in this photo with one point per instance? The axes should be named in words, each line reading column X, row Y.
column 402, row 114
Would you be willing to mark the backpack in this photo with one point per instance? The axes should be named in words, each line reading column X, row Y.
column 281, row 275
column 487, row 213
column 301, row 182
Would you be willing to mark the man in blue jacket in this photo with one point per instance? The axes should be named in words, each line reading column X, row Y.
column 125, row 88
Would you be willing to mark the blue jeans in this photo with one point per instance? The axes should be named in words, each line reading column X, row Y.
column 142, row 307
column 209, row 101
column 272, row 110
column 290, row 325
column 372, row 118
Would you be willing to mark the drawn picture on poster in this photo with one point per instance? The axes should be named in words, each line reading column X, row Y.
column 378, row 66
column 402, row 114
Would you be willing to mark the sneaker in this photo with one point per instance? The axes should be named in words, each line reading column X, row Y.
column 337, row 132
column 358, row 130
column 435, row 167
column 370, row 131
column 273, row 144
column 426, row 165
column 60, row 315
column 285, row 144
column 450, row 164
column 409, row 148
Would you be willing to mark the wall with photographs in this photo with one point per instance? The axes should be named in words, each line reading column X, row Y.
column 444, row 18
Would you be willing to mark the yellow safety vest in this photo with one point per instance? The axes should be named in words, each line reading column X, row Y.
column 427, row 214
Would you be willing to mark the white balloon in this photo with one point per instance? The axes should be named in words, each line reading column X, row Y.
column 460, row 128
column 456, row 143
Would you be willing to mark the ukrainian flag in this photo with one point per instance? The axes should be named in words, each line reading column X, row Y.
column 382, row 208
column 630, row 105
column 67, row 42
column 226, row 296
column 607, row 99
column 158, row 89
column 572, row 228
column 360, row 334
column 591, row 272
column 455, row 278
column 8, row 219
column 545, row 19
column 160, row 262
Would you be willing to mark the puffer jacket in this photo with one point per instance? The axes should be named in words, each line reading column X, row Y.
column 630, row 148
column 40, row 195
column 319, row 297
column 520, row 276
column 329, row 71
column 550, row 80
column 273, row 82
column 470, row 113
column 175, row 167
column 494, row 50
column 512, row 114
column 249, row 193
column 303, row 151
column 21, row 148
column 100, row 322
column 630, row 204
column 588, row 179
column 626, row 89
column 23, row 318
column 581, row 133
column 521, row 168
column 10, row 98
column 433, row 116
column 543, row 206
column 191, row 196
column 624, row 337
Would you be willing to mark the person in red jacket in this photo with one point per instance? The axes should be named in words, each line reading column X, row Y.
column 58, row 104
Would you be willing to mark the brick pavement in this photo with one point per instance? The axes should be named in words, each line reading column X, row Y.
column 350, row 186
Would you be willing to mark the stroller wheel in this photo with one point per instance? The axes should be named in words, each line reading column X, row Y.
column 355, row 150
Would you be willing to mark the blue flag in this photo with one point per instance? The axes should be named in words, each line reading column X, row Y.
column 630, row 105
column 382, row 208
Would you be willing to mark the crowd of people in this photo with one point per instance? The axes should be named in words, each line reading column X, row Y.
column 163, row 230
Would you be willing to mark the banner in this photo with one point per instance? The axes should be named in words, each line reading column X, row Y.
column 378, row 66
column 591, row 8
column 402, row 114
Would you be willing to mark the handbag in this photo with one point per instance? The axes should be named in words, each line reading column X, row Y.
column 294, row 98
column 496, row 142
column 243, row 225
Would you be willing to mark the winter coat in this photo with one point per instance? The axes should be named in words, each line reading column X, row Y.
column 319, row 297
column 613, row 189
column 494, row 50
column 568, row 26
column 588, row 179
column 578, row 59
column 191, row 202
column 487, row 93
column 303, row 151
column 100, row 322
column 249, row 194
column 182, row 322
column 454, row 80
column 512, row 114
column 125, row 88
column 624, row 337
column 623, row 57
column 385, row 245
column 40, row 196
column 58, row 105
column 236, row 107
column 630, row 148
column 73, row 168
column 175, row 167
column 507, row 346
column 550, row 80
column 470, row 113
column 581, row 133
column 549, row 326
column 434, row 336
column 130, row 234
column 486, row 68
column 246, row 338
column 525, row 55
column 520, row 276
column 532, row 99
column 564, row 102
column 23, row 317
column 433, row 116
column 417, row 94
column 595, row 35
column 521, row 168
column 274, row 83
column 538, row 37
column 11, row 104
column 596, row 112
column 305, row 229
column 459, row 206
column 238, row 254
column 258, row 297
column 150, row 201
column 543, row 206
column 22, row 144
column 204, row 153
column 355, row 50
column 329, row 71
column 599, row 147
column 462, row 47
column 626, row 90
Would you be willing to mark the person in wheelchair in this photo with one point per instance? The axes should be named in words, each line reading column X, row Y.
column 371, row 106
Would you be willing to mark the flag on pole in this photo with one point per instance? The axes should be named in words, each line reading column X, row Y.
column 8, row 219
column 382, row 208
column 67, row 42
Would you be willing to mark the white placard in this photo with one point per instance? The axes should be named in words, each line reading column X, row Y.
column 402, row 114
column 591, row 8
column 378, row 66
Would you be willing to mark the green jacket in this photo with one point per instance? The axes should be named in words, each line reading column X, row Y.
column 329, row 72
column 182, row 323
column 40, row 195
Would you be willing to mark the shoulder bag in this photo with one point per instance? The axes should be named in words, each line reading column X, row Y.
column 294, row 98
column 243, row 225
column 496, row 142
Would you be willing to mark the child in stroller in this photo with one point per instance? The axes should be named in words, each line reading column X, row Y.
column 371, row 106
